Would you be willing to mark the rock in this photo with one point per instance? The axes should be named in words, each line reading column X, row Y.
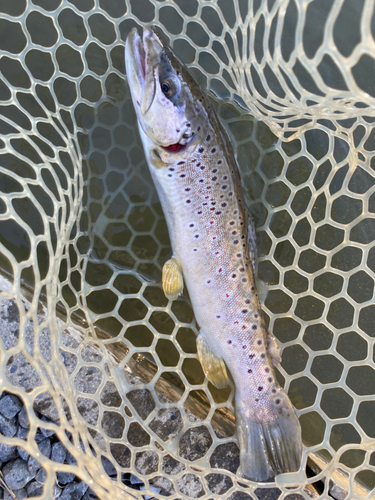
column 56, row 491
column 64, row 478
column 41, row 476
column 146, row 462
column 45, row 447
column 33, row 465
column 195, row 443
column 8, row 426
column 47, row 432
column 34, row 489
column 17, row 474
column 74, row 491
column 226, row 456
column 23, row 418
column 167, row 423
column 7, row 452
column 19, row 494
column 58, row 453
column 10, row 405
column 22, row 434
column 109, row 467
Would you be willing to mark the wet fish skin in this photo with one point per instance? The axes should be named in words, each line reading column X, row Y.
column 193, row 168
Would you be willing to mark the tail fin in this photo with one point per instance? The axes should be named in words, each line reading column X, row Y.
column 269, row 448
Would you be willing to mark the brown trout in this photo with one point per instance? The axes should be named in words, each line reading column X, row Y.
column 213, row 241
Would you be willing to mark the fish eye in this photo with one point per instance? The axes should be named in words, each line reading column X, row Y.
column 170, row 86
column 165, row 87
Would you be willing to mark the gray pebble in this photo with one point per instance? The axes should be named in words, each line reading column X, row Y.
column 23, row 453
column 70, row 459
column 45, row 447
column 34, row 489
column 41, row 476
column 17, row 474
column 23, row 418
column 33, row 465
column 47, row 432
column 74, row 491
column 56, row 491
column 22, row 434
column 20, row 494
column 64, row 478
column 7, row 452
column 58, row 453
column 10, row 405
column 8, row 426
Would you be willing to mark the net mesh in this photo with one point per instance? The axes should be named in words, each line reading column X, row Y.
column 89, row 343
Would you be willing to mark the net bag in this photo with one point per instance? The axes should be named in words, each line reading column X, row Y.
column 102, row 392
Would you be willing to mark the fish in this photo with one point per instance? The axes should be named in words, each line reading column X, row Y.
column 212, row 235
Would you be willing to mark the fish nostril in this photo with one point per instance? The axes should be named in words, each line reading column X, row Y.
column 186, row 136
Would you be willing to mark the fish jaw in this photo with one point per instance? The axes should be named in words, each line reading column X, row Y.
column 163, row 121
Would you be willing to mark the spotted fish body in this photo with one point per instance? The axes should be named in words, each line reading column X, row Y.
column 193, row 168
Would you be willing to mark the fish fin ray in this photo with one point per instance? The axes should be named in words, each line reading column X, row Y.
column 212, row 364
column 269, row 448
column 172, row 279
column 273, row 349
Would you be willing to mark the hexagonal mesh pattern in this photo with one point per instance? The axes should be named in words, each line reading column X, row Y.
column 95, row 351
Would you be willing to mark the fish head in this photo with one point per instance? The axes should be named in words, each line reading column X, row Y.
column 166, row 98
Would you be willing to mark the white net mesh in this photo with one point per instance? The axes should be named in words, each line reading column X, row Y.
column 106, row 368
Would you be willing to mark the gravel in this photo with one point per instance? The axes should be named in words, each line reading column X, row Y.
column 17, row 474
column 10, row 405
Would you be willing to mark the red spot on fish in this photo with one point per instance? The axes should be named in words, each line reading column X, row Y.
column 227, row 295
column 216, row 253
column 218, row 316
column 214, row 238
column 220, row 270
column 236, row 322
column 244, row 347
column 212, row 222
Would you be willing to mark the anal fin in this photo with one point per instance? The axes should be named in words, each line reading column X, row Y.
column 173, row 283
column 213, row 365
column 273, row 349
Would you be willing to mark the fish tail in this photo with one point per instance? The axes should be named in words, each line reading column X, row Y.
column 269, row 448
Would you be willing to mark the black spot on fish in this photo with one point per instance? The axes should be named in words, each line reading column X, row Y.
column 208, row 138
column 247, row 301
column 201, row 150
column 249, row 370
column 260, row 388
column 218, row 213
column 277, row 401
column 259, row 342
column 181, row 163
column 254, row 327
column 213, row 150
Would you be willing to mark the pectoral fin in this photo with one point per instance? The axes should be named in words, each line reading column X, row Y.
column 173, row 283
column 213, row 365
